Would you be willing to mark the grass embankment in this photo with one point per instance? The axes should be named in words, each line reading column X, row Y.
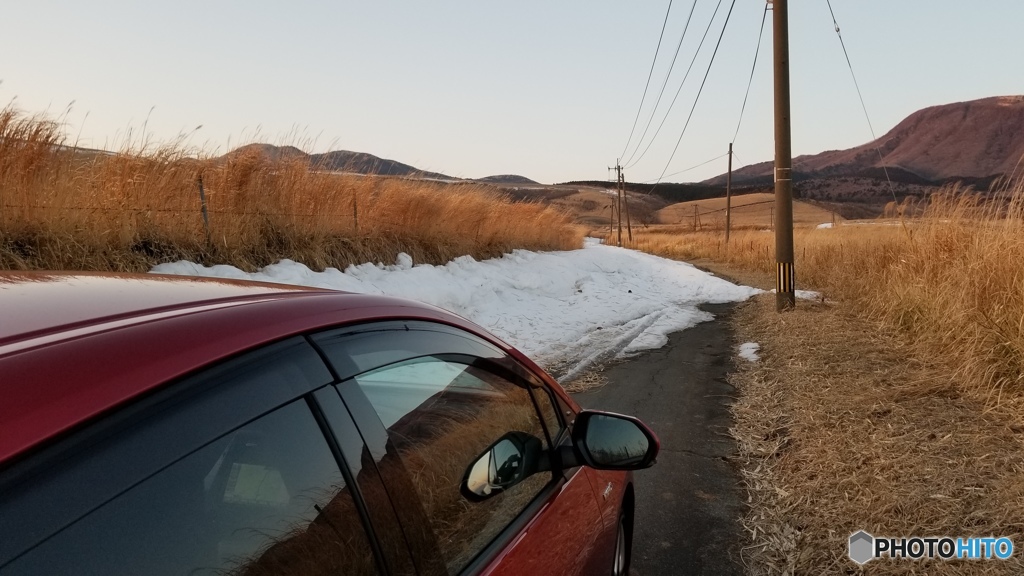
column 62, row 208
column 897, row 407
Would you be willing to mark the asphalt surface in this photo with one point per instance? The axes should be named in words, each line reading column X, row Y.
column 689, row 503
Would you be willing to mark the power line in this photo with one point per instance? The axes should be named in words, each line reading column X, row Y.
column 664, row 84
column 697, row 99
column 719, row 157
column 861, row 97
column 649, row 75
column 752, row 67
column 678, row 91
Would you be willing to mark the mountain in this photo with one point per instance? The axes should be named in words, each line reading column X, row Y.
column 363, row 163
column 339, row 160
column 506, row 179
column 974, row 142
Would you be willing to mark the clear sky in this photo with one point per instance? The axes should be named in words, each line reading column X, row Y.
column 548, row 90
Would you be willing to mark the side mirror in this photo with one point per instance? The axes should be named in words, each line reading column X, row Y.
column 510, row 460
column 608, row 441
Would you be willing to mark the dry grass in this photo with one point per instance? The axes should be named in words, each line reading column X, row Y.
column 838, row 431
column 747, row 211
column 951, row 282
column 62, row 208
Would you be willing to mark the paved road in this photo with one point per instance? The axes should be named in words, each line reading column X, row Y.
column 689, row 503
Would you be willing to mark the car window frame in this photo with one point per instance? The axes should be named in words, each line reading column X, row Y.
column 375, row 435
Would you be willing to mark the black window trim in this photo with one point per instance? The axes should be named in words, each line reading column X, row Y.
column 346, row 473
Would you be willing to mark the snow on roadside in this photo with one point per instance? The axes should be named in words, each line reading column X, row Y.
column 804, row 294
column 566, row 309
column 748, row 351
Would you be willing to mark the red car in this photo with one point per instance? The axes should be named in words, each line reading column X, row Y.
column 168, row 425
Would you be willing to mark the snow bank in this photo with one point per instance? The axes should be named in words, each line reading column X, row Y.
column 566, row 310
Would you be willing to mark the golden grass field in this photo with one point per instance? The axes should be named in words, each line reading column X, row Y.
column 746, row 211
column 63, row 208
column 950, row 281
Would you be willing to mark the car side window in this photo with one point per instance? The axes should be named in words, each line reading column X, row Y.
column 266, row 498
column 441, row 415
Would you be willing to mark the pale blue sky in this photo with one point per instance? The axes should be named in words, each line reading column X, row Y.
column 548, row 90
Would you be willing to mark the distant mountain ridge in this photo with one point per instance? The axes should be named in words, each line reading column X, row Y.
column 972, row 141
column 361, row 163
column 340, row 161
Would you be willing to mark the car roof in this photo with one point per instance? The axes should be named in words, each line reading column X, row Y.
column 74, row 345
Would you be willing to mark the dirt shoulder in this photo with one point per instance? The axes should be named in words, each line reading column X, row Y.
column 841, row 428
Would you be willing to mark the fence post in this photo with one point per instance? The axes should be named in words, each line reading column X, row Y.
column 206, row 216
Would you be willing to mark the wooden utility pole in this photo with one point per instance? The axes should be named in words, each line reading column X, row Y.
column 625, row 204
column 728, row 197
column 785, row 296
column 618, row 199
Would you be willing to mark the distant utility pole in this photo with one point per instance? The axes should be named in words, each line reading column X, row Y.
column 621, row 202
column 625, row 203
column 728, row 196
column 785, row 283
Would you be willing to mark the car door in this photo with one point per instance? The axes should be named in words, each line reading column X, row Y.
column 430, row 399
column 226, row 472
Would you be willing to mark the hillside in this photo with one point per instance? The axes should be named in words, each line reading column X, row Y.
column 506, row 179
column 972, row 141
column 339, row 161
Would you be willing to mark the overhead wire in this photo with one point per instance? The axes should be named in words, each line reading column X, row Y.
column 757, row 51
column 664, row 84
column 648, row 84
column 679, row 90
column 864, row 107
column 699, row 91
column 719, row 157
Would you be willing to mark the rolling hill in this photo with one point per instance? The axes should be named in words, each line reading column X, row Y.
column 363, row 163
column 973, row 142
column 340, row 161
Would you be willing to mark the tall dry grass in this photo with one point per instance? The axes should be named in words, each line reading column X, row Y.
column 951, row 280
column 67, row 208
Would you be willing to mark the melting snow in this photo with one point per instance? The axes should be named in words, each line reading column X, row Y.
column 564, row 309
column 748, row 351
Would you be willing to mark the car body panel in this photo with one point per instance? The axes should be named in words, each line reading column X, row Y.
column 59, row 380
column 570, row 510
column 74, row 347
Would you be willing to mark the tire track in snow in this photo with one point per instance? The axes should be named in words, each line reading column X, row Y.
column 585, row 358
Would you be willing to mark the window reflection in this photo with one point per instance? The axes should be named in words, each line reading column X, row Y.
column 441, row 416
column 265, row 499
column 615, row 441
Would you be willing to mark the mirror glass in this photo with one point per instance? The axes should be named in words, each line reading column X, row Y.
column 615, row 441
column 496, row 469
